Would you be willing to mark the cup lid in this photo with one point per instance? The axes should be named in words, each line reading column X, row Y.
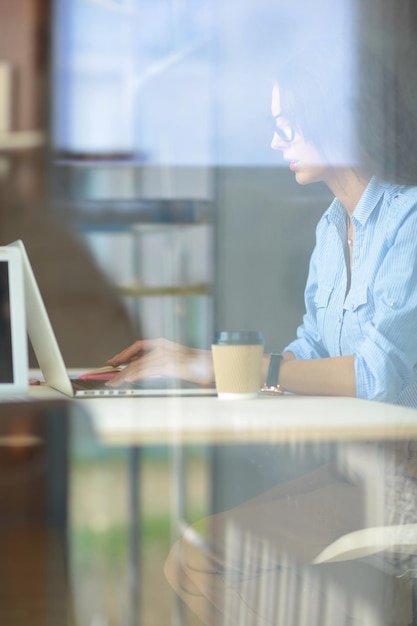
column 238, row 337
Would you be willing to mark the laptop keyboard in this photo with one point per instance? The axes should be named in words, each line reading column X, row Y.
column 159, row 382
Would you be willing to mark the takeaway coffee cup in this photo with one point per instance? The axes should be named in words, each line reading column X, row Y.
column 237, row 361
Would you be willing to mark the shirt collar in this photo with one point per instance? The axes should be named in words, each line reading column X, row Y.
column 369, row 200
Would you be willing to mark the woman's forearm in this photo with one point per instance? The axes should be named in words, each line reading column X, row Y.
column 333, row 376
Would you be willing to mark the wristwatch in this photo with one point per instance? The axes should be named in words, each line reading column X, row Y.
column 272, row 384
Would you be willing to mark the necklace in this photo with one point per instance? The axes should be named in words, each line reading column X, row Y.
column 350, row 232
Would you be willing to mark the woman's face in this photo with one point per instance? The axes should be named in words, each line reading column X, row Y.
column 303, row 158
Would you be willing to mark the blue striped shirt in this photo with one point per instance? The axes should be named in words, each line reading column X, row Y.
column 375, row 319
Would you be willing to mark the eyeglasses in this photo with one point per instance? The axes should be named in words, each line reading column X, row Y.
column 285, row 132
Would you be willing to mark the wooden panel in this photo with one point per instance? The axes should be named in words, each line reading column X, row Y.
column 34, row 585
column 24, row 25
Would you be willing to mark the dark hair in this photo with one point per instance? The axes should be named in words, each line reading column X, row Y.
column 353, row 107
column 317, row 96
column 387, row 114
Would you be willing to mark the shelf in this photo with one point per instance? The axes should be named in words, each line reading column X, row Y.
column 21, row 140
column 137, row 291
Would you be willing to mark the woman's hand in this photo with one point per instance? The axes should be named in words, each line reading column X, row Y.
column 160, row 357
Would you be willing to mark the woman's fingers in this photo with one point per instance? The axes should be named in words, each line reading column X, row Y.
column 157, row 362
column 125, row 355
column 136, row 350
column 163, row 358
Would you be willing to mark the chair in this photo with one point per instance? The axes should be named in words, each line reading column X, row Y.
column 400, row 541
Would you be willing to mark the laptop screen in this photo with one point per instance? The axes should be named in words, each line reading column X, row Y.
column 6, row 359
column 13, row 338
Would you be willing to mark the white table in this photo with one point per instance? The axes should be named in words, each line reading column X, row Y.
column 169, row 420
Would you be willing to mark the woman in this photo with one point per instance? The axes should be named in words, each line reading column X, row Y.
column 358, row 338
column 359, row 333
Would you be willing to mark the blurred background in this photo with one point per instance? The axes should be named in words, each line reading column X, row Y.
column 135, row 165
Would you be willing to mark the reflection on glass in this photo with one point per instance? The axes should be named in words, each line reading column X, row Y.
column 255, row 564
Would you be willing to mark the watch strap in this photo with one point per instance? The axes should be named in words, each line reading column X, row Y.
column 272, row 378
column 273, row 370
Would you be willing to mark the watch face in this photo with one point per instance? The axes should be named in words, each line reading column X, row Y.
column 273, row 371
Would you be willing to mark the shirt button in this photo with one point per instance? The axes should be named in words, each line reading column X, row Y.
column 352, row 306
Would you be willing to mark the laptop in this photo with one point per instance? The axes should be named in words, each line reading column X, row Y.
column 13, row 337
column 51, row 362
